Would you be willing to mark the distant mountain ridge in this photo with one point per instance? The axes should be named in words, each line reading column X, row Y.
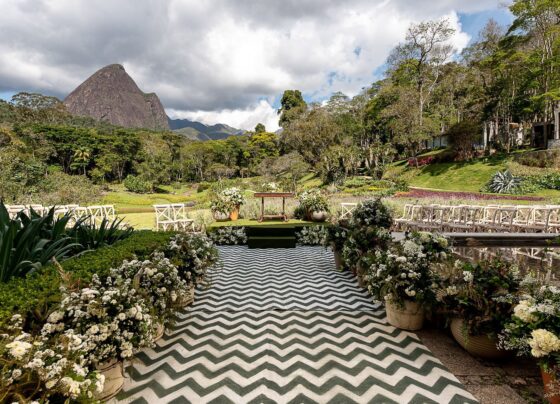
column 112, row 96
column 198, row 131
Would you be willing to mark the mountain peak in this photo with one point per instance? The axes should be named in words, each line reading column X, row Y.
column 111, row 95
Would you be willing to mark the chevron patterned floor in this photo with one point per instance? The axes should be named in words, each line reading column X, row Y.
column 283, row 326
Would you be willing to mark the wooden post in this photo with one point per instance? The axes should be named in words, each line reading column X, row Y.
column 284, row 208
column 262, row 208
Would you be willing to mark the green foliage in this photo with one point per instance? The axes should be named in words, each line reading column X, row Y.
column 92, row 236
column 292, row 105
column 311, row 201
column 34, row 295
column 481, row 294
column 504, row 182
column 461, row 138
column 27, row 243
column 138, row 185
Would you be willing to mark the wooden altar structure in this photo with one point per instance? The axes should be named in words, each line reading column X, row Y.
column 283, row 195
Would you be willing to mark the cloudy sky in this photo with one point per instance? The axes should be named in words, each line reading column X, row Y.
column 218, row 60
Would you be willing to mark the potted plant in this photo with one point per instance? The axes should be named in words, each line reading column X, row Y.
column 220, row 209
column 534, row 331
column 118, row 322
column 335, row 238
column 193, row 254
column 403, row 277
column 157, row 280
column 478, row 299
column 369, row 230
column 233, row 199
column 314, row 205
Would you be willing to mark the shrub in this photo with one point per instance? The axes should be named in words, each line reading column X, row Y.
column 59, row 188
column 462, row 136
column 138, row 185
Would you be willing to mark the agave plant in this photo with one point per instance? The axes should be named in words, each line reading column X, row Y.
column 92, row 236
column 504, row 182
column 29, row 242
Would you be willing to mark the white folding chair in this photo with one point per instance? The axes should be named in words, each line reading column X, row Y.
column 164, row 217
column 182, row 222
column 346, row 209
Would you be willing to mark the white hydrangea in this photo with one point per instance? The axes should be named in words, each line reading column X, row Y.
column 543, row 342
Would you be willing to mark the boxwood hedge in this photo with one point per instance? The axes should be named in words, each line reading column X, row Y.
column 34, row 295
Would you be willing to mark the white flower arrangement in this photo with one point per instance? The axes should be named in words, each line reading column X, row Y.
column 405, row 270
column 158, row 282
column 38, row 368
column 229, row 235
column 193, row 254
column 110, row 319
column 312, row 235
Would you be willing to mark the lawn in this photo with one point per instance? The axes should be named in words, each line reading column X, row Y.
column 468, row 176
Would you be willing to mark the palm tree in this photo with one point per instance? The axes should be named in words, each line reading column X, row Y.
column 81, row 158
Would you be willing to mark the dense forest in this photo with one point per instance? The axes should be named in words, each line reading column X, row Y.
column 502, row 83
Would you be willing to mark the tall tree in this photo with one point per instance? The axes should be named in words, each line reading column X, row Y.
column 292, row 105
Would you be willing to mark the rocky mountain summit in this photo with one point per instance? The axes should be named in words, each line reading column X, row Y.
column 111, row 95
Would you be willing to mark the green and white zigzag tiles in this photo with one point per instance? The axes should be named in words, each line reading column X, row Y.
column 282, row 326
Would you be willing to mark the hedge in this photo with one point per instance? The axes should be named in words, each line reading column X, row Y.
column 34, row 296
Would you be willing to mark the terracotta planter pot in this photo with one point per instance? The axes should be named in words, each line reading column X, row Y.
column 114, row 379
column 548, row 381
column 160, row 329
column 481, row 346
column 410, row 318
column 234, row 215
column 319, row 216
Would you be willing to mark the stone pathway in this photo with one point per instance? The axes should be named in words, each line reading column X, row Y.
column 282, row 326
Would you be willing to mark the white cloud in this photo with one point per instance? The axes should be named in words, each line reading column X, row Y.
column 213, row 59
column 246, row 118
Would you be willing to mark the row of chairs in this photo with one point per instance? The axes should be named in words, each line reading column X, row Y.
column 472, row 218
column 96, row 213
column 173, row 217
